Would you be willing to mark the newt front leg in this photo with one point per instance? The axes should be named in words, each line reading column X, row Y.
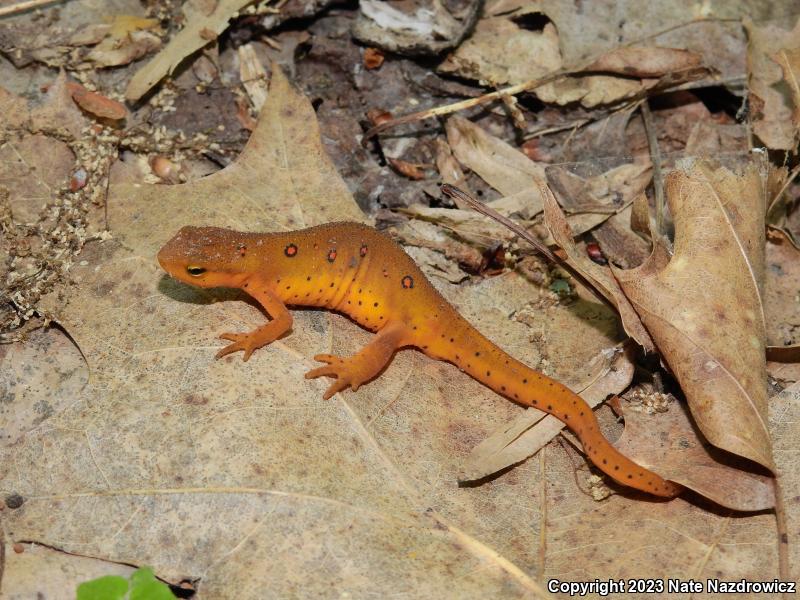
column 248, row 342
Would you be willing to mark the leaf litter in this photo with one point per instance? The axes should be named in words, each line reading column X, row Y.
column 161, row 441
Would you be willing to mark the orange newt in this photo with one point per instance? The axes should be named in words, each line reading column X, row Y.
column 355, row 270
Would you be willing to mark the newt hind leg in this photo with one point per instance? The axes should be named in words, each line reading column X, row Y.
column 354, row 371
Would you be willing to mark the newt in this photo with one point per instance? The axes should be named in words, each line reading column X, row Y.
column 353, row 269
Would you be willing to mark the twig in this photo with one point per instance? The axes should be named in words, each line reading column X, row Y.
column 525, row 86
column 456, row 193
column 25, row 5
column 655, row 159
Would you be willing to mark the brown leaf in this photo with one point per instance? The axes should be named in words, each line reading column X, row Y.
column 97, row 104
column 704, row 307
column 112, row 52
column 669, row 443
column 602, row 276
column 373, row 58
column 185, row 42
column 501, row 52
column 771, row 113
column 645, row 62
column 503, row 167
column 410, row 170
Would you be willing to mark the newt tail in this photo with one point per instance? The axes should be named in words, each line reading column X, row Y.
column 355, row 270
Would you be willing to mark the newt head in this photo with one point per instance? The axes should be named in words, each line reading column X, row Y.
column 207, row 257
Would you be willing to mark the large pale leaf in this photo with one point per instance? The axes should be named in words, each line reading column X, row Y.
column 704, row 308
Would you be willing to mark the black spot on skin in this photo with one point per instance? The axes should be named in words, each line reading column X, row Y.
column 477, row 354
column 359, row 302
column 566, row 417
column 308, row 278
column 630, row 476
column 503, row 388
column 290, row 251
column 288, row 286
column 331, row 255
column 582, row 415
column 524, row 381
column 605, row 461
column 536, row 402
column 246, row 285
column 407, row 282
column 488, row 373
column 616, row 467
column 375, row 304
column 451, row 340
column 549, row 407
column 331, row 284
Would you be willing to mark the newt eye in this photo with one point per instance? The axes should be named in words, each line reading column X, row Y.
column 195, row 271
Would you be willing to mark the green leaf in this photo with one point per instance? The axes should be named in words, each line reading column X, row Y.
column 144, row 586
column 110, row 587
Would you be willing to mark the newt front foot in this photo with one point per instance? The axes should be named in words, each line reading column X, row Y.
column 247, row 342
column 345, row 370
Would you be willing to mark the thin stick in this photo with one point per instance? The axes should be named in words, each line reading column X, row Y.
column 456, row 193
column 23, row 6
column 655, row 159
column 513, row 90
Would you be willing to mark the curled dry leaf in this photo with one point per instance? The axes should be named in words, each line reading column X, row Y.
column 645, row 62
column 500, row 165
column 608, row 373
column 703, row 307
column 410, row 170
column 604, row 279
column 97, row 104
column 186, row 41
column 669, row 443
column 771, row 113
column 449, row 170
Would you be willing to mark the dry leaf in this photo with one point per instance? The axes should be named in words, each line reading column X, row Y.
column 186, row 41
column 405, row 168
column 771, row 112
column 449, row 169
column 604, row 279
column 501, row 52
column 704, row 308
column 97, row 104
column 253, row 76
column 500, row 165
column 645, row 62
column 34, row 166
column 608, row 373
column 113, row 52
column 668, row 442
